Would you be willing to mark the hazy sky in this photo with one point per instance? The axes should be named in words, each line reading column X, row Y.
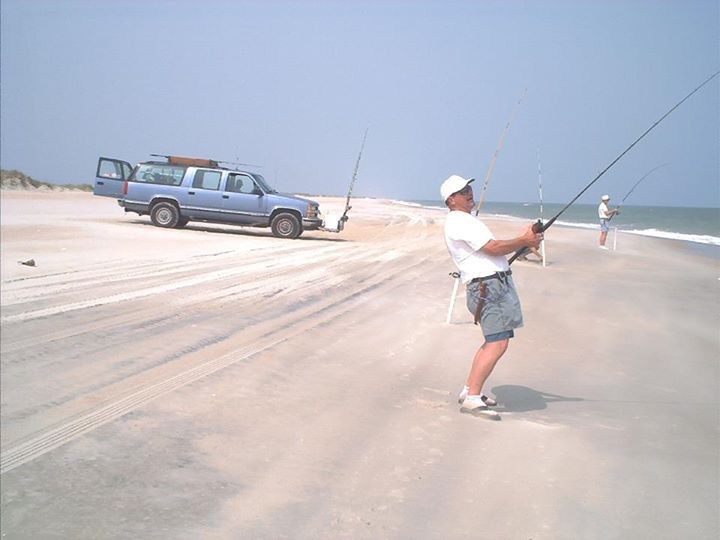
column 292, row 85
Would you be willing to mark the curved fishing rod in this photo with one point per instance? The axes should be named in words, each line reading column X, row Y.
column 641, row 179
column 491, row 168
column 637, row 184
column 540, row 227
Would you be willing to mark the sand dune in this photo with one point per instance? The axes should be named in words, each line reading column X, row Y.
column 217, row 382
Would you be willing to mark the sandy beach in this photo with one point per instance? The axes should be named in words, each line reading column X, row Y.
column 216, row 382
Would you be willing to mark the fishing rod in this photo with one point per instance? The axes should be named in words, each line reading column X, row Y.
column 638, row 183
column 539, row 227
column 491, row 168
column 542, row 244
column 540, row 184
column 344, row 217
column 540, row 194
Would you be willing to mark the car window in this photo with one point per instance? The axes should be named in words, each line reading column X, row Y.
column 110, row 169
column 127, row 170
column 240, row 183
column 263, row 183
column 159, row 174
column 207, row 179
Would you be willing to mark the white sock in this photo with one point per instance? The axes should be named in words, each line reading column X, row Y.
column 466, row 389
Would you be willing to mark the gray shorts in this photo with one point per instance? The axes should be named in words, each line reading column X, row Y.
column 604, row 225
column 501, row 311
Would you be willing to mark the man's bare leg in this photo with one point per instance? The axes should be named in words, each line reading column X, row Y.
column 603, row 238
column 484, row 362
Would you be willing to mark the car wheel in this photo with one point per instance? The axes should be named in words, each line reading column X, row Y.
column 165, row 214
column 182, row 222
column 286, row 225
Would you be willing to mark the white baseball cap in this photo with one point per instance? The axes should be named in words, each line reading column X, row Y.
column 605, row 197
column 452, row 185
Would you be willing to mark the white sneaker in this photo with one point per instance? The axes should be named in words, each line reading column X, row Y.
column 490, row 402
column 475, row 405
column 604, row 247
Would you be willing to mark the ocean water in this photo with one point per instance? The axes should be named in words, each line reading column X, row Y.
column 699, row 225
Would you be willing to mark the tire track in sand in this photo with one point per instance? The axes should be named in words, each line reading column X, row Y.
column 47, row 440
column 193, row 281
column 268, row 277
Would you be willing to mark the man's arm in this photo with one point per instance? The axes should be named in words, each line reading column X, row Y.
column 505, row 247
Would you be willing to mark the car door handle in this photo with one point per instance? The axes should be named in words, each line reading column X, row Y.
column 191, row 193
column 101, row 183
column 226, row 196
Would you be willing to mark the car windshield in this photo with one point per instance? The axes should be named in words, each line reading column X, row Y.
column 267, row 188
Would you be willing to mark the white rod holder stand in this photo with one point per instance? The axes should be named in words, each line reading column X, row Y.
column 456, row 279
column 615, row 238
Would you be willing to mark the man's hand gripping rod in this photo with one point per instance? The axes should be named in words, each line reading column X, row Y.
column 540, row 227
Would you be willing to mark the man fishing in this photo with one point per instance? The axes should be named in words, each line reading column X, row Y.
column 483, row 268
column 605, row 214
column 491, row 294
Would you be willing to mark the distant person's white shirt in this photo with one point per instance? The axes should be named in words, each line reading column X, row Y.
column 603, row 210
column 465, row 235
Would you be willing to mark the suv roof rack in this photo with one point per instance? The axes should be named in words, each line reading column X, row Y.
column 189, row 161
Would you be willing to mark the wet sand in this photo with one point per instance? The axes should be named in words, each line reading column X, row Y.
column 217, row 382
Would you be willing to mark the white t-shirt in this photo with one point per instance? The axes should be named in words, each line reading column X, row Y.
column 465, row 235
column 603, row 210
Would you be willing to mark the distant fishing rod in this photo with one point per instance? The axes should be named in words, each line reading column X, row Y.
column 491, row 168
column 344, row 217
column 542, row 244
column 539, row 227
column 540, row 184
column 637, row 184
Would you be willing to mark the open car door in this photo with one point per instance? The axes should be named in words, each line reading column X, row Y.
column 110, row 177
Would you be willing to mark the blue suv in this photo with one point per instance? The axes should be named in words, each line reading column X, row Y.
column 180, row 189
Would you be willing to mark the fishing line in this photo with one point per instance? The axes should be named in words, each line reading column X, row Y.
column 539, row 227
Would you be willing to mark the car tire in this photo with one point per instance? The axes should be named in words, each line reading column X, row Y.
column 286, row 225
column 182, row 222
column 165, row 214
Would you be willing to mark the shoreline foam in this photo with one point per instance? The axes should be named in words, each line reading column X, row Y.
column 652, row 232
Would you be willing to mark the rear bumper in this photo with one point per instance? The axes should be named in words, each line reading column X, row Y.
column 130, row 206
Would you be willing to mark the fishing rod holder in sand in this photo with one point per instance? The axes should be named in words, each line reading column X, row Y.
column 334, row 224
column 456, row 284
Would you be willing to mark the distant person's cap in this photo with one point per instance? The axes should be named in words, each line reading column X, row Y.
column 452, row 185
column 605, row 197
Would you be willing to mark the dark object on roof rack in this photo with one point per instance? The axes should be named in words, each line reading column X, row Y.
column 189, row 161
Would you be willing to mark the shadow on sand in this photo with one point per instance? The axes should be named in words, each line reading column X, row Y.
column 513, row 398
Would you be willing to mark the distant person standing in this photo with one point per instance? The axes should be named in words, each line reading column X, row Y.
column 605, row 214
column 491, row 294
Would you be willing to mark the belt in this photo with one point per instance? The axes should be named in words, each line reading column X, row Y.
column 496, row 275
